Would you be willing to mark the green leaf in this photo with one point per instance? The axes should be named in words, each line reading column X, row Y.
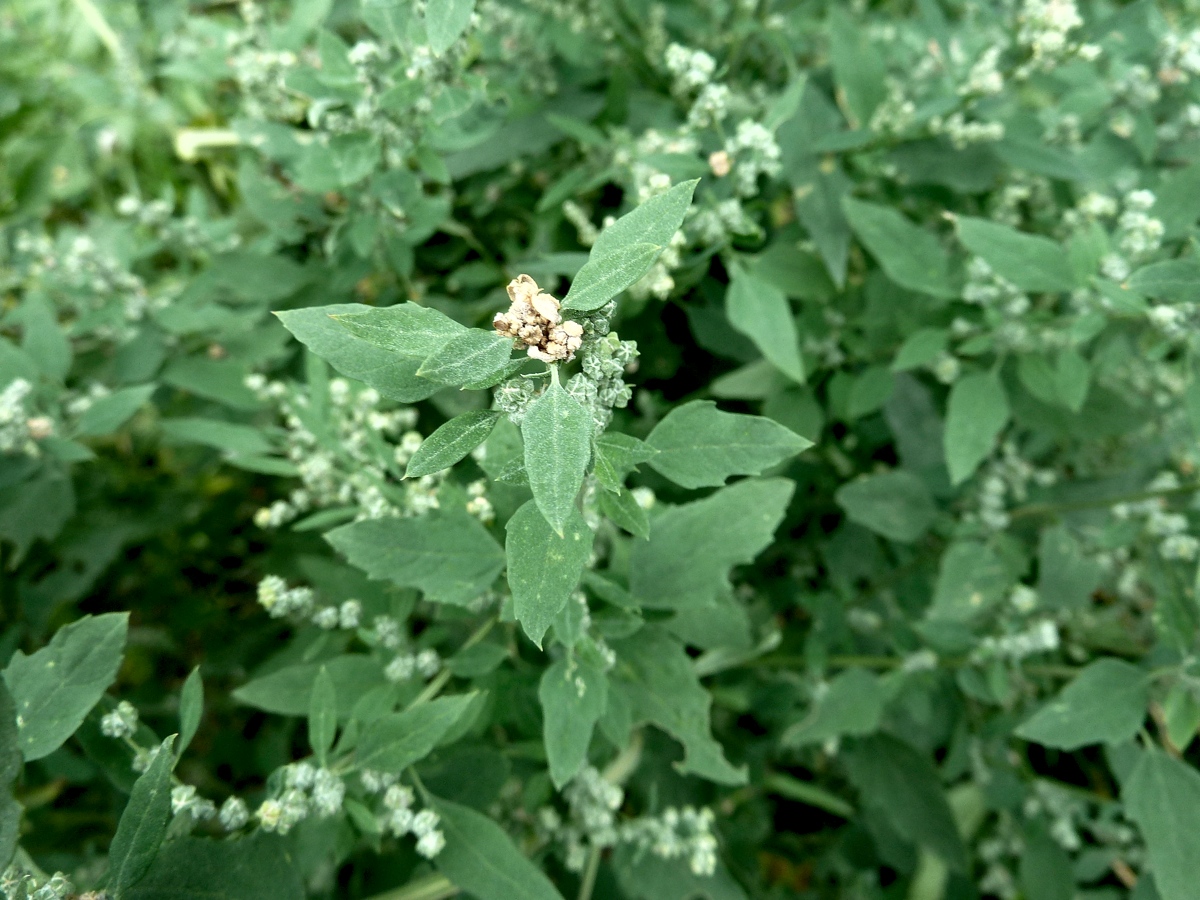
column 921, row 348
column 896, row 504
column 1175, row 280
column 407, row 329
column 900, row 783
column 1030, row 261
column 851, row 705
column 971, row 579
column 910, row 255
column 143, row 825
column 473, row 356
column 10, row 768
column 55, row 688
column 1045, row 867
column 191, row 708
column 228, row 437
column 653, row 222
column 603, row 277
column 482, row 860
column 573, row 695
column 624, row 509
column 394, row 376
column 109, row 413
column 322, row 715
column 1105, row 703
column 616, row 456
column 761, row 312
column 544, row 566
column 557, row 431
column 1163, row 798
column 288, row 691
column 445, row 21
column 692, row 547
column 452, row 442
column 255, row 867
column 448, row 555
column 858, row 67
column 701, row 446
column 976, row 413
column 656, row 673
column 395, row 741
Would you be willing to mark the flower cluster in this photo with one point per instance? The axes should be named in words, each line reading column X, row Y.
column 533, row 320
column 593, row 803
column 398, row 819
column 17, row 884
column 16, row 424
column 305, row 790
column 121, row 722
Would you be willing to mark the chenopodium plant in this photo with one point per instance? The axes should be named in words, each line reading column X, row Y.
column 607, row 587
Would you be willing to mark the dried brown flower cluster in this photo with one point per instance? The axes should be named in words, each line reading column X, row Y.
column 534, row 320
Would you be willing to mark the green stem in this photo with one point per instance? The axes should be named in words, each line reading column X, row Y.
column 96, row 21
column 1050, row 509
column 431, row 887
column 588, row 884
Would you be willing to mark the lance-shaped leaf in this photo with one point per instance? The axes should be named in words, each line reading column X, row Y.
column 452, row 442
column 480, row 858
column 322, row 715
column 475, row 356
column 1030, row 261
column 407, row 329
column 603, row 277
column 191, row 708
column 573, row 696
column 398, row 740
column 761, row 312
column 544, row 567
column 975, row 415
column 617, row 455
column 445, row 21
column 448, row 555
column 653, row 222
column 143, row 824
column 911, row 256
column 1163, row 797
column 557, row 431
column 701, row 446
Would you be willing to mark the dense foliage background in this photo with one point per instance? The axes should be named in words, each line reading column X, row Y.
column 861, row 554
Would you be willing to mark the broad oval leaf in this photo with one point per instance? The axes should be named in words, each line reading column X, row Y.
column 448, row 555
column 544, row 566
column 452, row 442
column 471, row 357
column 761, row 312
column 445, row 21
column 55, row 688
column 143, row 825
column 1105, row 703
column 1173, row 279
column 896, row 504
column 407, row 329
column 701, row 446
column 557, row 431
